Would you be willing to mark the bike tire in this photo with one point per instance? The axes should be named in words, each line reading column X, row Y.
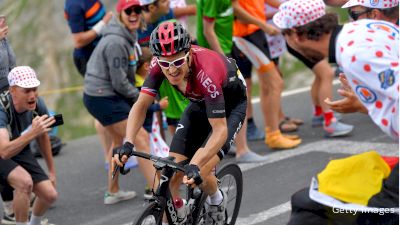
column 151, row 215
column 227, row 175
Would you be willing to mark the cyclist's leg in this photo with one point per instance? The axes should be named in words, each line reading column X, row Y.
column 191, row 132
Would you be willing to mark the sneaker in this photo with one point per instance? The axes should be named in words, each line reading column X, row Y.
column 46, row 222
column 253, row 133
column 275, row 140
column 148, row 193
column 251, row 157
column 337, row 129
column 8, row 218
column 318, row 121
column 216, row 213
column 112, row 198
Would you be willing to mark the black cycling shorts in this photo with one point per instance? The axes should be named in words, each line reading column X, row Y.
column 194, row 129
column 26, row 160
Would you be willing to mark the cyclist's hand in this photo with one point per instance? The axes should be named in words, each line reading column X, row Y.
column 122, row 153
column 192, row 175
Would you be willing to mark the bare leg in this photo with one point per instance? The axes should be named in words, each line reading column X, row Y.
column 104, row 137
column 46, row 196
column 22, row 183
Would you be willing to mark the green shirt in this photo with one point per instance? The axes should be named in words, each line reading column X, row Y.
column 176, row 101
column 222, row 12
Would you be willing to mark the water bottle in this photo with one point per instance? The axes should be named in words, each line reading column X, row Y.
column 180, row 209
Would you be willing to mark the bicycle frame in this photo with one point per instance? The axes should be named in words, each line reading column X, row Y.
column 162, row 196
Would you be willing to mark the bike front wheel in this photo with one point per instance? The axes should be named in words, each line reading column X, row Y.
column 151, row 215
column 231, row 182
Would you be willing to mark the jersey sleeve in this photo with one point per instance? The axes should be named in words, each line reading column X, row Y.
column 210, row 9
column 374, row 76
column 153, row 80
column 211, row 86
column 75, row 16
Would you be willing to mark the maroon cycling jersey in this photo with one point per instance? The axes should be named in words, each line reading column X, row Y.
column 214, row 80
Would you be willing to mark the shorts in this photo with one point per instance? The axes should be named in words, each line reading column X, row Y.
column 80, row 64
column 252, row 50
column 107, row 110
column 194, row 129
column 26, row 160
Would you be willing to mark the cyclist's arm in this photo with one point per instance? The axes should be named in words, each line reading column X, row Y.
column 215, row 142
column 137, row 116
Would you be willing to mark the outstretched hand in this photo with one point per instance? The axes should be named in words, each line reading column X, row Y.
column 350, row 103
column 41, row 124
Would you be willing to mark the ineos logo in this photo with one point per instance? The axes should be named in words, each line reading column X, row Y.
column 207, row 84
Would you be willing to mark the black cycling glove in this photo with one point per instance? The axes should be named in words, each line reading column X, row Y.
column 193, row 171
column 125, row 149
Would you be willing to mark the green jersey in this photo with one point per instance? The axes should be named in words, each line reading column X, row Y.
column 221, row 12
column 176, row 101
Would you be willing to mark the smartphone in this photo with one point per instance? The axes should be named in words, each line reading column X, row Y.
column 3, row 21
column 59, row 120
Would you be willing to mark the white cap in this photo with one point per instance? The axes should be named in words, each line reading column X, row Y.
column 23, row 76
column 146, row 2
column 374, row 4
column 296, row 13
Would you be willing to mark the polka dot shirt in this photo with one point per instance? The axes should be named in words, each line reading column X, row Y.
column 368, row 52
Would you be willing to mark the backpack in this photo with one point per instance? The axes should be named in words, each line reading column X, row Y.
column 56, row 143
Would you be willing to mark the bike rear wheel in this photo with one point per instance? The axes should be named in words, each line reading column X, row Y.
column 151, row 215
column 231, row 182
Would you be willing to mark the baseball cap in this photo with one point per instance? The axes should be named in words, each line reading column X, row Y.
column 124, row 4
column 23, row 76
column 147, row 2
column 374, row 4
column 295, row 13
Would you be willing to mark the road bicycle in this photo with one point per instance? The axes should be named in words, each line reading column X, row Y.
column 230, row 180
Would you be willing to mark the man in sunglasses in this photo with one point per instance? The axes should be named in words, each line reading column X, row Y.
column 216, row 112
column 386, row 10
column 368, row 52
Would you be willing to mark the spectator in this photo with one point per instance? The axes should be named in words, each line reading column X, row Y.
column 7, row 63
column 252, row 50
column 24, row 120
column 87, row 19
column 110, row 87
column 182, row 11
column 214, row 31
column 367, row 50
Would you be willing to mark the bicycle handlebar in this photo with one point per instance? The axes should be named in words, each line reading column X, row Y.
column 162, row 162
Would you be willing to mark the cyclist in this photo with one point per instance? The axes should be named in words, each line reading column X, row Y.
column 216, row 112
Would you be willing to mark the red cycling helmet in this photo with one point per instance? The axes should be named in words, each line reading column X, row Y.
column 169, row 38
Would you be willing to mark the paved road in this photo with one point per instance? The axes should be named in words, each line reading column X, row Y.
column 267, row 186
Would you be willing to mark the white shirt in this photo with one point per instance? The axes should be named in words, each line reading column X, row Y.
column 368, row 52
column 277, row 43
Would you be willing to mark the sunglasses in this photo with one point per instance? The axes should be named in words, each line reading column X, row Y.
column 176, row 63
column 354, row 14
column 136, row 9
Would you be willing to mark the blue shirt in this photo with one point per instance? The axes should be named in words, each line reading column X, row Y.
column 82, row 15
column 144, row 35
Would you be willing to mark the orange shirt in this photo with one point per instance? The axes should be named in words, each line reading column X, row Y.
column 255, row 8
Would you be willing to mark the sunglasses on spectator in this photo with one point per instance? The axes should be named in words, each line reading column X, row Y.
column 177, row 62
column 355, row 15
column 136, row 9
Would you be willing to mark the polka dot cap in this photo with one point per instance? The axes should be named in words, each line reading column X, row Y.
column 23, row 76
column 295, row 13
column 375, row 4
